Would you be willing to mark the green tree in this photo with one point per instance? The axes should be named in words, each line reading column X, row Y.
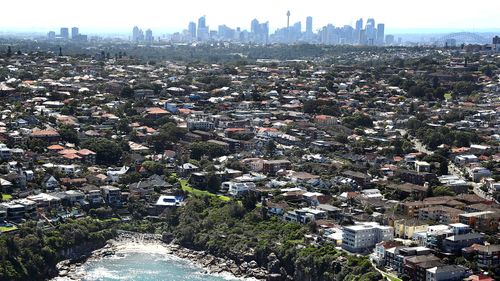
column 358, row 120
column 108, row 152
column 249, row 201
column 213, row 183
column 208, row 149
column 69, row 134
column 154, row 167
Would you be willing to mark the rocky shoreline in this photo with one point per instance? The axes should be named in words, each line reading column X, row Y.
column 69, row 269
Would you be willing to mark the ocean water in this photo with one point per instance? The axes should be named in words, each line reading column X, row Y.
column 140, row 262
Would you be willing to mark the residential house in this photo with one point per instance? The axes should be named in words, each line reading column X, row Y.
column 406, row 228
column 455, row 243
column 447, row 273
column 273, row 166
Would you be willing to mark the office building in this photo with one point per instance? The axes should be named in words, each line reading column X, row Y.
column 357, row 31
column 309, row 25
column 51, row 35
column 137, row 34
column 64, row 33
column 149, row 36
column 380, row 34
column 192, row 29
column 202, row 32
column 389, row 40
column 74, row 33
column 371, row 35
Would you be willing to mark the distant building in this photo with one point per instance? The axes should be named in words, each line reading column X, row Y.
column 137, row 34
column 389, row 40
column 74, row 33
column 51, row 35
column 192, row 30
column 203, row 32
column 64, row 33
column 309, row 25
column 149, row 36
column 380, row 34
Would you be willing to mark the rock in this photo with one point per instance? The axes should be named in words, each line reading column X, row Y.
column 274, row 277
column 274, row 266
column 235, row 270
column 259, row 273
column 252, row 264
column 272, row 257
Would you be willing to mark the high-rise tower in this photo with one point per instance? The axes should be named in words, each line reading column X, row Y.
column 309, row 25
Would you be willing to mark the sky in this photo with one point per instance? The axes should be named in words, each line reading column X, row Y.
column 165, row 16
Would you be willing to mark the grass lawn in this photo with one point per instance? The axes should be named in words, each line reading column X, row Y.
column 6, row 196
column 186, row 187
column 7, row 228
column 448, row 96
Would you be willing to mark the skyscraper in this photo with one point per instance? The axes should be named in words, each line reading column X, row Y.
column 74, row 33
column 202, row 33
column 359, row 24
column 135, row 33
column 357, row 31
column 202, row 22
column 380, row 34
column 371, row 34
column 254, row 26
column 149, row 36
column 259, row 32
column 64, row 33
column 192, row 29
column 389, row 40
column 51, row 35
column 309, row 25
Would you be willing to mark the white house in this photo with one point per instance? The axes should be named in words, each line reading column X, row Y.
column 237, row 188
column 466, row 159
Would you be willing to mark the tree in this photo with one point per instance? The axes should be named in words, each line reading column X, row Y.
column 416, row 91
column 249, row 201
column 213, row 183
column 154, row 167
column 464, row 87
column 211, row 150
column 69, row 134
column 358, row 120
column 108, row 152
column 9, row 51
column 127, row 92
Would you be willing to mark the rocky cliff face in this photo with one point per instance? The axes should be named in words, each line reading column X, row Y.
column 81, row 251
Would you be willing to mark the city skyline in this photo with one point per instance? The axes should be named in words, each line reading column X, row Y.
column 111, row 16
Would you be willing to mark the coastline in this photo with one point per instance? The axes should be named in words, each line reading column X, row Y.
column 129, row 242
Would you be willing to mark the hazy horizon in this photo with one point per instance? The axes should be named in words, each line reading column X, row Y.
column 107, row 17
